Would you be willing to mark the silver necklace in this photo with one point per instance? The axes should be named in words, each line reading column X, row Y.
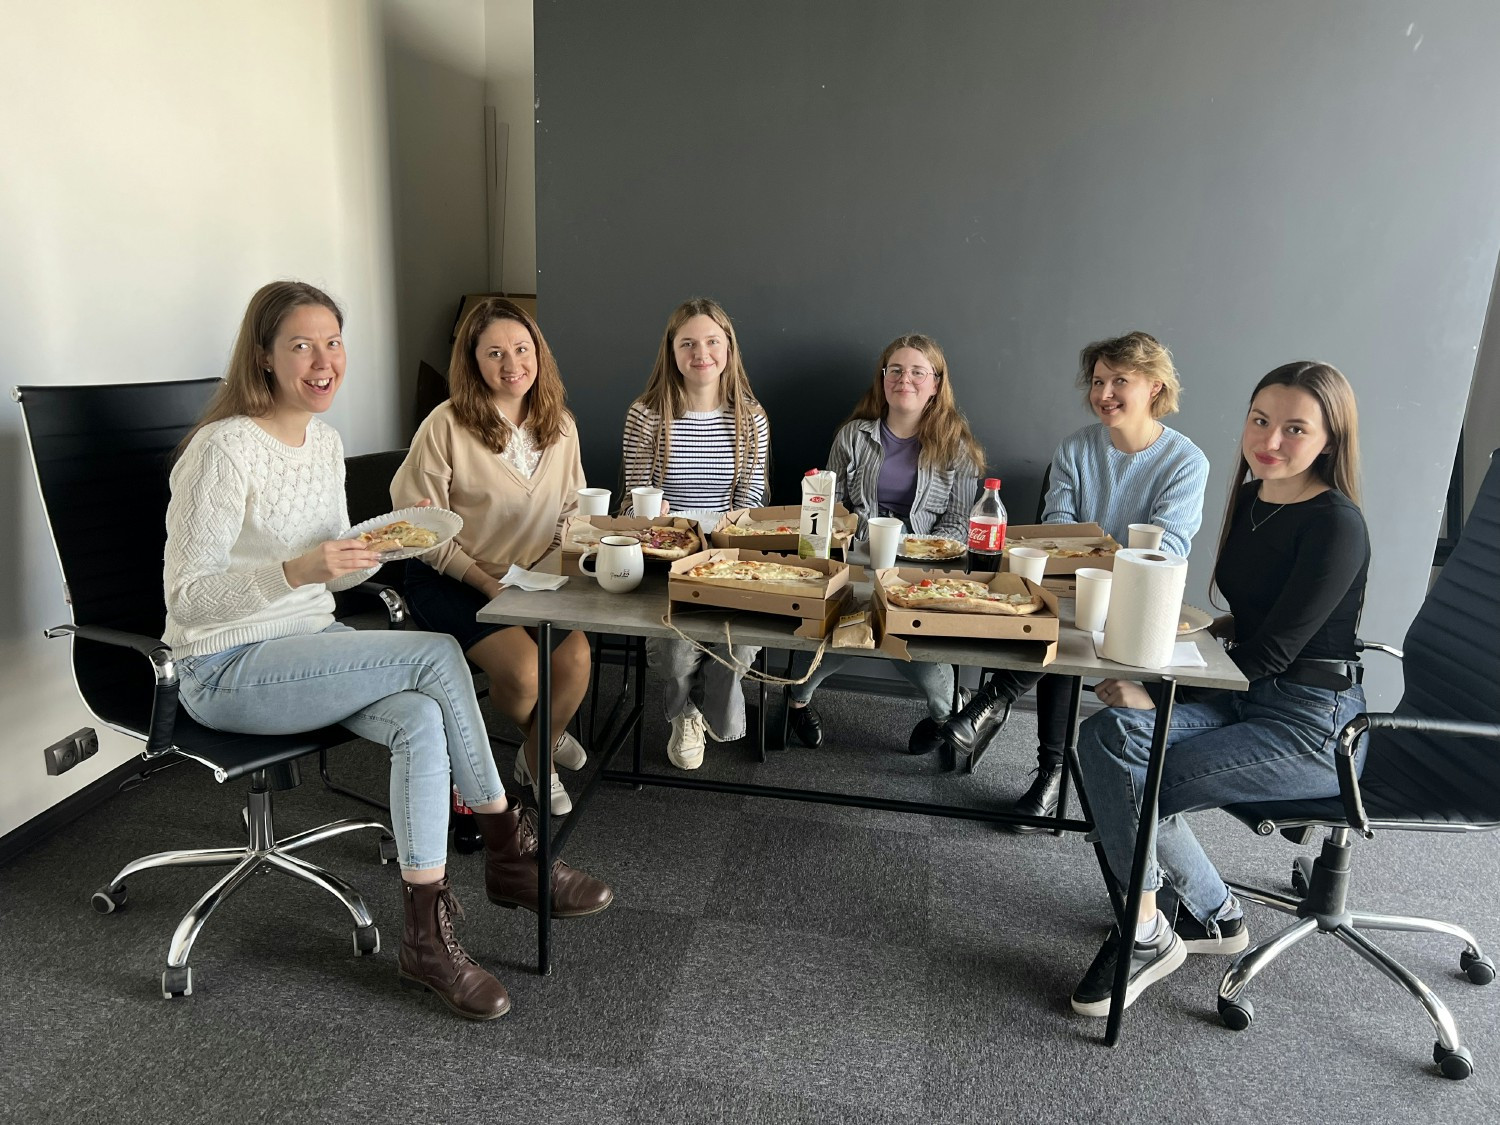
column 1256, row 525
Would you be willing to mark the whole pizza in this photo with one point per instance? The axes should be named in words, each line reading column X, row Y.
column 1069, row 548
column 760, row 527
column 930, row 547
column 753, row 570
column 961, row 595
column 666, row 542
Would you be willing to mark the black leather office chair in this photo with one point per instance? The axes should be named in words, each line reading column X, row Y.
column 1432, row 766
column 102, row 456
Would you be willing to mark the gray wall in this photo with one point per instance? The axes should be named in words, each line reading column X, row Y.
column 1252, row 183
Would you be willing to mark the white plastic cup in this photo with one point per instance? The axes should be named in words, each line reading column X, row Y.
column 646, row 502
column 593, row 501
column 1029, row 562
column 1091, row 604
column 885, row 539
column 1145, row 537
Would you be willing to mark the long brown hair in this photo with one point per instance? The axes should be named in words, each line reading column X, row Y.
column 1338, row 466
column 1142, row 353
column 943, row 431
column 249, row 385
column 473, row 401
column 665, row 395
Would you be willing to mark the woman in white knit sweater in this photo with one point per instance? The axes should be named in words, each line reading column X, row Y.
column 252, row 559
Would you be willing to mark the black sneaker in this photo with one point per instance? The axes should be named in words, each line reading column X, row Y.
column 1150, row 961
column 806, row 725
column 1233, row 936
column 926, row 737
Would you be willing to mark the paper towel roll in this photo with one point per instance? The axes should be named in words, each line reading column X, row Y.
column 1144, row 605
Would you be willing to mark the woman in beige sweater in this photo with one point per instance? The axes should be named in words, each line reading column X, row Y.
column 503, row 454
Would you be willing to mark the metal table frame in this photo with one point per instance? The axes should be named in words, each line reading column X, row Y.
column 582, row 605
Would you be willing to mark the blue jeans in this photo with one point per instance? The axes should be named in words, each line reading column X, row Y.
column 1272, row 742
column 935, row 681
column 409, row 691
column 720, row 699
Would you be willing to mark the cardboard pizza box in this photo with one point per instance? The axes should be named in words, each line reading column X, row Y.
column 811, row 601
column 845, row 524
column 572, row 548
column 1081, row 535
column 898, row 621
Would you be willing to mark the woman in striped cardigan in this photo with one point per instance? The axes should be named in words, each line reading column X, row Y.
column 907, row 452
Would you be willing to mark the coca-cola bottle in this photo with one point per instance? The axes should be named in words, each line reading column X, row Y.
column 987, row 530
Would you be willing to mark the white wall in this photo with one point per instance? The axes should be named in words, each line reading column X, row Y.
column 163, row 158
column 511, row 89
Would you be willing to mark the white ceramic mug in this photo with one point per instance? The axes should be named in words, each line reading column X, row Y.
column 1145, row 536
column 1091, row 604
column 885, row 538
column 593, row 501
column 1029, row 562
column 646, row 502
column 618, row 566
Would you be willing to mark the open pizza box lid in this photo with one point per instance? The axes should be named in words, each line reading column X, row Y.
column 581, row 532
column 1078, row 536
column 898, row 621
column 845, row 524
column 810, row 600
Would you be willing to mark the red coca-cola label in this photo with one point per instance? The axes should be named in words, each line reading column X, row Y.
column 986, row 536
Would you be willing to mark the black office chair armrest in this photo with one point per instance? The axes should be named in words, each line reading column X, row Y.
column 164, row 703
column 1356, row 728
column 395, row 604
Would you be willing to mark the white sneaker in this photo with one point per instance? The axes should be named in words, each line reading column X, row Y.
column 561, row 803
column 685, row 745
column 568, row 752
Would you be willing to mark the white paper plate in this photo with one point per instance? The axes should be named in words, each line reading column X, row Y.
column 440, row 521
column 1195, row 619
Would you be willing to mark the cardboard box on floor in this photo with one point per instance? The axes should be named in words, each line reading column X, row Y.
column 818, row 604
column 572, row 548
column 894, row 622
column 527, row 301
column 1086, row 534
column 845, row 524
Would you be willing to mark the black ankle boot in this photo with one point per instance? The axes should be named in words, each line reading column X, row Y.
column 1041, row 798
column 981, row 717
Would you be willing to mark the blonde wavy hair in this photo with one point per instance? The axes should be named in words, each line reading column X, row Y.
column 943, row 432
column 249, row 386
column 1139, row 352
column 665, row 395
column 474, row 402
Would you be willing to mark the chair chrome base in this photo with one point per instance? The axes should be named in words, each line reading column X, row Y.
column 262, row 852
column 1322, row 910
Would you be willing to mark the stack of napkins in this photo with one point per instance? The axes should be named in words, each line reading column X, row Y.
column 526, row 580
column 1185, row 654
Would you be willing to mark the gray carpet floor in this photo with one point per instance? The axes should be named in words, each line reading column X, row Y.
column 764, row 961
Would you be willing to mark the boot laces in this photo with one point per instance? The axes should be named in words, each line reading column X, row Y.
column 448, row 909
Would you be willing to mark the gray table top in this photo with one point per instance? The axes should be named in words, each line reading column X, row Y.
column 581, row 604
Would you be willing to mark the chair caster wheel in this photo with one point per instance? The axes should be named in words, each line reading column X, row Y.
column 1456, row 1064
column 387, row 849
column 466, row 838
column 366, row 940
column 1236, row 1014
column 1480, row 969
column 107, row 900
column 177, row 982
column 1301, row 875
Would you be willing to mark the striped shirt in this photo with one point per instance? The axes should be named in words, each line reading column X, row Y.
column 700, row 470
column 1093, row 482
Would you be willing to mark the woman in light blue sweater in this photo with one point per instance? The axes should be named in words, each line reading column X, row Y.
column 1125, row 468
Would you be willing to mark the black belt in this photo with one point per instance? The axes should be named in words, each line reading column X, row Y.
column 1335, row 675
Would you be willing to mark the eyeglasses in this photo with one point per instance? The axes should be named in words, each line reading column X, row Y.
column 915, row 375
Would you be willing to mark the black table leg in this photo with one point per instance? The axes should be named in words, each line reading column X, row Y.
column 1145, row 844
column 636, row 651
column 544, row 797
column 762, row 665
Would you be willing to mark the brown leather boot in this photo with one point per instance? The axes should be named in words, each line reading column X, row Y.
column 431, row 957
column 510, row 848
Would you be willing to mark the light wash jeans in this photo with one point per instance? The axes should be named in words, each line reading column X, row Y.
column 1273, row 742
column 687, row 673
column 409, row 691
column 935, row 681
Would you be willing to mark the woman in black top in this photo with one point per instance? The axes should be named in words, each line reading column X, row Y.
column 1293, row 554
